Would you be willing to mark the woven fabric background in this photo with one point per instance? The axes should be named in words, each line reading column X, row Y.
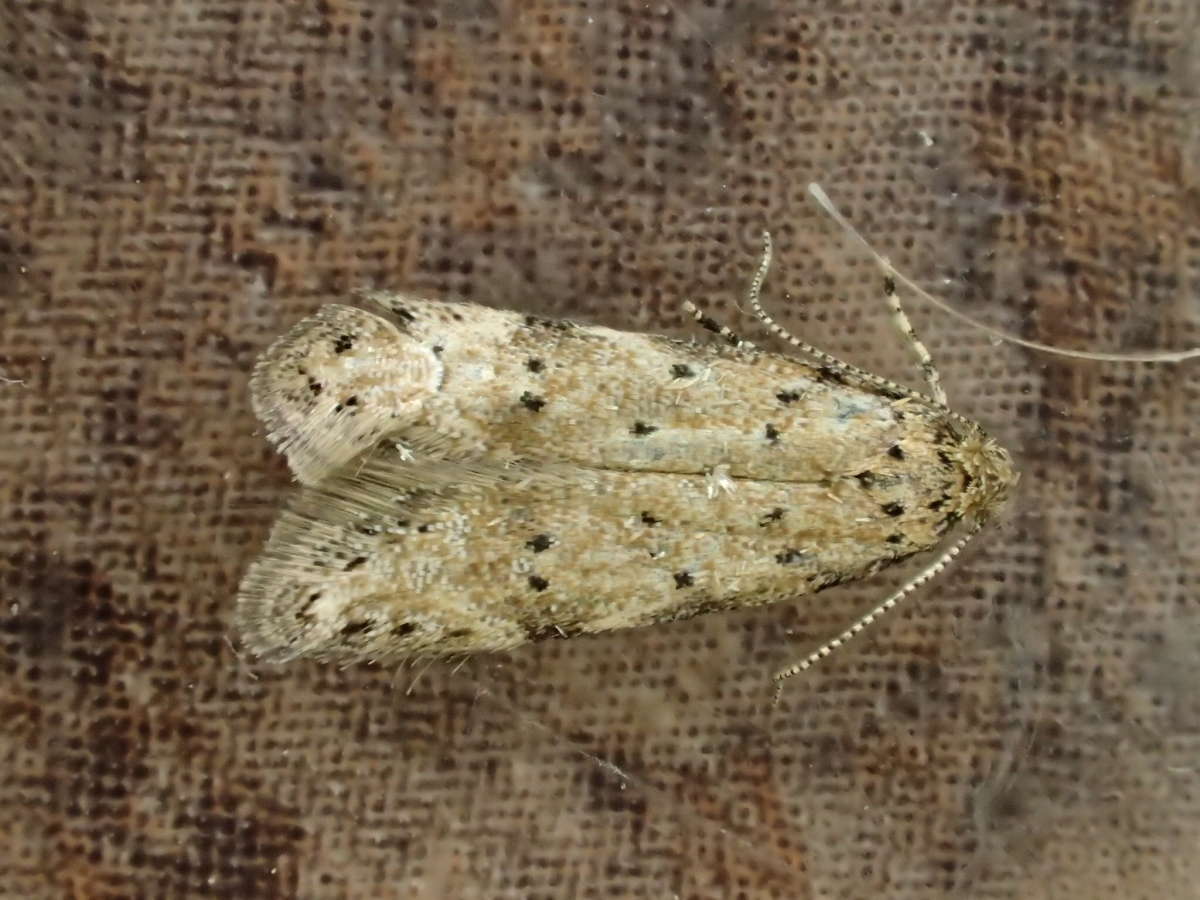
column 182, row 180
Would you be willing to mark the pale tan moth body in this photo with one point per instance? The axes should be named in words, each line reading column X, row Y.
column 476, row 479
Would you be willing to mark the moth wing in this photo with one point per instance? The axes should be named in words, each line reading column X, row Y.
column 337, row 382
column 393, row 558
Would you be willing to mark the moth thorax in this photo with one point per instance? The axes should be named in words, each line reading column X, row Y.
column 338, row 382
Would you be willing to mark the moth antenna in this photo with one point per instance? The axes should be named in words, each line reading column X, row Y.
column 900, row 319
column 866, row 620
column 890, row 271
column 754, row 299
column 336, row 383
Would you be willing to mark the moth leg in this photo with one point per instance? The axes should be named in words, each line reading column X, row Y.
column 711, row 324
column 708, row 323
column 860, row 624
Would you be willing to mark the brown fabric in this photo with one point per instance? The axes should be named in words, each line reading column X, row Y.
column 181, row 182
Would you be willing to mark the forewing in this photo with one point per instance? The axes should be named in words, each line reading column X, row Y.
column 394, row 557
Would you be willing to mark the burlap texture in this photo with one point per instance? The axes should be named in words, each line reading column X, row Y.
column 181, row 181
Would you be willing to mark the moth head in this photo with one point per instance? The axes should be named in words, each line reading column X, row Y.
column 338, row 382
column 990, row 473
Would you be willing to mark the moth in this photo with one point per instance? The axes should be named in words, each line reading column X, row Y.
column 473, row 479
